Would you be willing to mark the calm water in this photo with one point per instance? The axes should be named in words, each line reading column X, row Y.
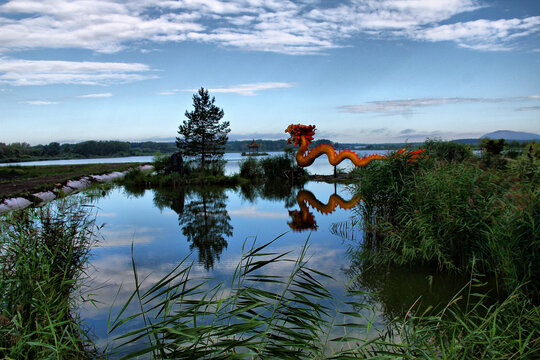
column 167, row 227
column 320, row 166
column 211, row 226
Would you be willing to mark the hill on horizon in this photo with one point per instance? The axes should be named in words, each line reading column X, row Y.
column 511, row 135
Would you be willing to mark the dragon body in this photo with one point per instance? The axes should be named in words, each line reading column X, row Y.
column 302, row 136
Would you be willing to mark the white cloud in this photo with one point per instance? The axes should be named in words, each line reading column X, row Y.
column 45, row 72
column 245, row 89
column 394, row 107
column 482, row 34
column 241, row 89
column 40, row 102
column 529, row 108
column 169, row 92
column 281, row 26
column 92, row 96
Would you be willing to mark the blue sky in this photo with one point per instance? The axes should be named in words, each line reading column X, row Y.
column 361, row 70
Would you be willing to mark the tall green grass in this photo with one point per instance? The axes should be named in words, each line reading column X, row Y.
column 450, row 214
column 42, row 255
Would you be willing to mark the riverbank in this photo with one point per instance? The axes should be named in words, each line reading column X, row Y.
column 24, row 180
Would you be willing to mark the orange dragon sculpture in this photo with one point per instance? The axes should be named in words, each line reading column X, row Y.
column 303, row 135
column 304, row 219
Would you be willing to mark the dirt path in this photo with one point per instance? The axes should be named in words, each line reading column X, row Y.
column 11, row 185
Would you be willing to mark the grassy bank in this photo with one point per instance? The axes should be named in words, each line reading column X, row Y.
column 23, row 180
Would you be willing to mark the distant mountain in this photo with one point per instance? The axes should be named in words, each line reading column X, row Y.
column 511, row 135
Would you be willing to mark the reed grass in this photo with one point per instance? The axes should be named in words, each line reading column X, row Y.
column 445, row 213
column 42, row 255
column 265, row 315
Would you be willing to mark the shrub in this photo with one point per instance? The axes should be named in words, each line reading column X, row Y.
column 161, row 162
column 250, row 168
column 276, row 166
column 447, row 150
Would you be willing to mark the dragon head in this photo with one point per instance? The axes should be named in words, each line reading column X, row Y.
column 298, row 131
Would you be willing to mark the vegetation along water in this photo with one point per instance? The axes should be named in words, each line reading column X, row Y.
column 434, row 254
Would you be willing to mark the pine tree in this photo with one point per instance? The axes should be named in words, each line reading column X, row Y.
column 202, row 134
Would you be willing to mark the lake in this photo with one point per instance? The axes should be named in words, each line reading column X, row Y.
column 320, row 166
column 211, row 226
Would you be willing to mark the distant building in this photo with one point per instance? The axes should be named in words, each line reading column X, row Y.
column 253, row 147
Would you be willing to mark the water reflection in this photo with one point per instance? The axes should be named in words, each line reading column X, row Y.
column 167, row 225
column 203, row 219
column 401, row 291
column 303, row 219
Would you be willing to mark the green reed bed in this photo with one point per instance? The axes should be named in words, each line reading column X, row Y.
column 450, row 213
column 42, row 255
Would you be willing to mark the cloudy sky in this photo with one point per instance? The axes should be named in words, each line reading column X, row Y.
column 361, row 70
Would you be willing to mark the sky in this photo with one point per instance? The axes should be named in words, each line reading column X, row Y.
column 365, row 71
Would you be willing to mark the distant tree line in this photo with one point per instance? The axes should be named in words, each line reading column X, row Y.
column 87, row 149
column 16, row 152
column 267, row 145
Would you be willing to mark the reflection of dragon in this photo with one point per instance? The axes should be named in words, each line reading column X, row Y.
column 303, row 135
column 304, row 219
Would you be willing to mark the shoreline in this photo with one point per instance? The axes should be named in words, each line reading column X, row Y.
column 20, row 193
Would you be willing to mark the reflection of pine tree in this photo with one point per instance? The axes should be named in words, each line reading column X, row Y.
column 206, row 224
column 170, row 198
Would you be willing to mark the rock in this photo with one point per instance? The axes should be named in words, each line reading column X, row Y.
column 176, row 164
column 14, row 203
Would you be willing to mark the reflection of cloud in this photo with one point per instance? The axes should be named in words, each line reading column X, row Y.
column 107, row 215
column 127, row 236
column 254, row 212
column 112, row 281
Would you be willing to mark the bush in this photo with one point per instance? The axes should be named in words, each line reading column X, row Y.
column 250, row 168
column 161, row 162
column 447, row 150
column 277, row 166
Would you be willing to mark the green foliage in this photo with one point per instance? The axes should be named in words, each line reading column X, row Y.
column 271, row 168
column 447, row 150
column 450, row 215
column 202, row 134
column 276, row 166
column 505, row 330
column 251, row 168
column 491, row 146
column 260, row 316
column 42, row 254
column 161, row 162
